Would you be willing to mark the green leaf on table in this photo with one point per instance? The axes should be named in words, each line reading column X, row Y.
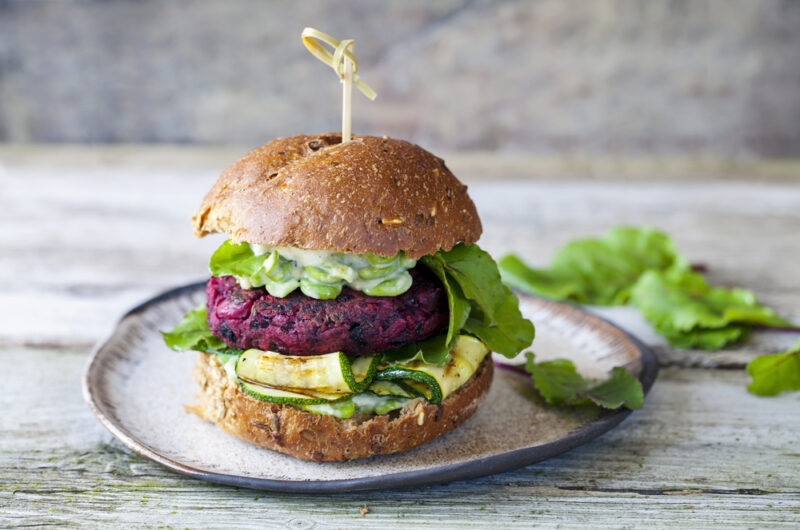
column 598, row 271
column 478, row 300
column 691, row 314
column 773, row 374
column 193, row 334
column 705, row 339
column 559, row 383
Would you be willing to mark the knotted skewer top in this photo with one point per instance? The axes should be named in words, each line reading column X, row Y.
column 342, row 51
column 344, row 63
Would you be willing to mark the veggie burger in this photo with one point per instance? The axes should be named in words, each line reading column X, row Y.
column 350, row 312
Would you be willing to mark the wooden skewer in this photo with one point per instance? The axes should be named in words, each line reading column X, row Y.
column 343, row 61
column 347, row 97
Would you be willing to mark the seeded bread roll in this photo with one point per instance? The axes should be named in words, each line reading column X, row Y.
column 323, row 438
column 371, row 194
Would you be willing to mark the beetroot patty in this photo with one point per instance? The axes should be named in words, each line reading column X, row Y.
column 353, row 322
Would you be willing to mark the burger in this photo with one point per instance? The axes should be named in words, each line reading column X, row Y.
column 349, row 312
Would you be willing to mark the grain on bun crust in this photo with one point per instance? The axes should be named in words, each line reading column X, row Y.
column 325, row 438
column 371, row 194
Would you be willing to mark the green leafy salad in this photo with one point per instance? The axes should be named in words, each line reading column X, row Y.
column 484, row 316
column 641, row 267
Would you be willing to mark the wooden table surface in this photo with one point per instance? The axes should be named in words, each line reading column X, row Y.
column 85, row 233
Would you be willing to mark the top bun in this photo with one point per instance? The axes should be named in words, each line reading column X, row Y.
column 377, row 195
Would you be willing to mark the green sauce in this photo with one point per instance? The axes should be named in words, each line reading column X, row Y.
column 317, row 273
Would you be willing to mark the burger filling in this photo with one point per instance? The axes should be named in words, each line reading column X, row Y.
column 346, row 334
column 354, row 322
column 342, row 386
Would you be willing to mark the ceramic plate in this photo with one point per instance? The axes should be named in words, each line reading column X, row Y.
column 137, row 387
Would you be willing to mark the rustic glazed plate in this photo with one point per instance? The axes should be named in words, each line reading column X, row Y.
column 137, row 387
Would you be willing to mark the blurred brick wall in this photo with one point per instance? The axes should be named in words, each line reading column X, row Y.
column 609, row 76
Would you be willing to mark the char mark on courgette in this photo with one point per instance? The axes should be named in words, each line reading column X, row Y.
column 332, row 373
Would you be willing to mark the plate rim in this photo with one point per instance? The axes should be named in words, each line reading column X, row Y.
column 470, row 469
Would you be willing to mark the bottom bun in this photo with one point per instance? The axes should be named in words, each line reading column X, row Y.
column 324, row 438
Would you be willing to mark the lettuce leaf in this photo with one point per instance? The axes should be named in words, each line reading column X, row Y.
column 193, row 334
column 773, row 374
column 559, row 383
column 507, row 332
column 479, row 302
column 705, row 339
column 457, row 303
column 477, row 275
column 235, row 260
column 434, row 350
column 691, row 314
column 641, row 266
column 597, row 271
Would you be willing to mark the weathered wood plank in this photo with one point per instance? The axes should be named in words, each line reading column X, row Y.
column 701, row 452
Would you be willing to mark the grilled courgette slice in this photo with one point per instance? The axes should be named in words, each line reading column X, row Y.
column 436, row 382
column 332, row 373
